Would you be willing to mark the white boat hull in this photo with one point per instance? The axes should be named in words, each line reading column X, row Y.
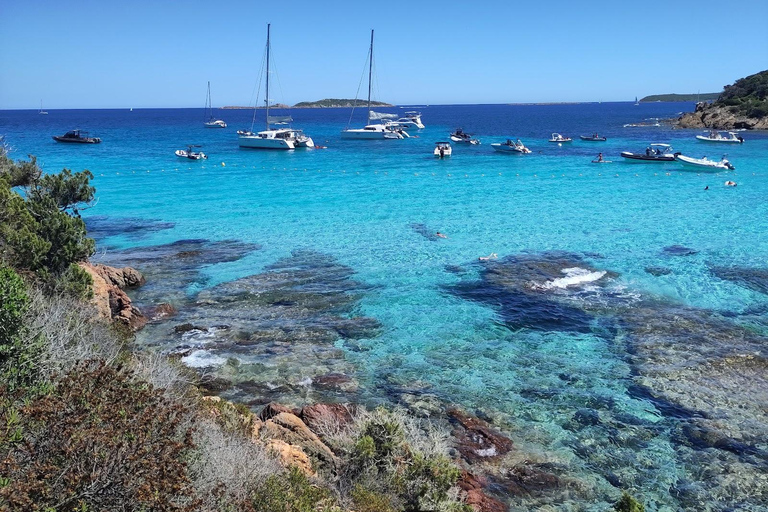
column 704, row 164
column 374, row 131
column 259, row 142
column 725, row 141
column 216, row 124
column 506, row 148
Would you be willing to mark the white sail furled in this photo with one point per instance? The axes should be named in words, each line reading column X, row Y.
column 382, row 115
column 279, row 119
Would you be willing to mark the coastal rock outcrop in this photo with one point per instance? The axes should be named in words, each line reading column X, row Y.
column 109, row 299
column 477, row 441
column 717, row 117
column 289, row 428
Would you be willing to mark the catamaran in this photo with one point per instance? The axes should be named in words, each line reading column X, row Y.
column 282, row 138
column 371, row 130
column 211, row 122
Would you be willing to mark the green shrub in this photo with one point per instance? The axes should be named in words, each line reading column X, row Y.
column 292, row 492
column 369, row 501
column 99, row 441
column 17, row 358
column 628, row 504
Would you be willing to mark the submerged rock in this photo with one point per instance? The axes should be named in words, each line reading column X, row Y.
column 679, row 250
column 100, row 227
column 658, row 271
column 755, row 279
column 477, row 441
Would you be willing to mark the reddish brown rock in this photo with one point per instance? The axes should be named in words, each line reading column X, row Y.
column 110, row 301
column 473, row 486
column 320, row 416
column 335, row 382
column 161, row 311
column 271, row 410
column 477, row 441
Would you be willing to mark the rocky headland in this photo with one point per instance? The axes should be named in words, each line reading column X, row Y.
column 743, row 105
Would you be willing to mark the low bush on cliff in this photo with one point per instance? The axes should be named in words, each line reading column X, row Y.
column 40, row 230
column 100, row 440
column 399, row 460
column 18, row 355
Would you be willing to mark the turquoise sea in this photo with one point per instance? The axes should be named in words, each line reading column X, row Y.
column 619, row 337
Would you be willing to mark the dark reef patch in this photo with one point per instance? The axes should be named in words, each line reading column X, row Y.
column 100, row 227
column 755, row 279
column 679, row 250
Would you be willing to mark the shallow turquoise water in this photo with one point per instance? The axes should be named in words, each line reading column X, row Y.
column 374, row 205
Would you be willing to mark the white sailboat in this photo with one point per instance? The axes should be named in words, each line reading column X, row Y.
column 371, row 130
column 210, row 121
column 41, row 108
column 283, row 138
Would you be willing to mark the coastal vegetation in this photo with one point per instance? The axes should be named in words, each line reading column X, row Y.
column 742, row 105
column 90, row 423
column 338, row 103
column 681, row 97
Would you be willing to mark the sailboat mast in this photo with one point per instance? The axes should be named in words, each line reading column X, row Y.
column 267, row 117
column 370, row 73
column 208, row 103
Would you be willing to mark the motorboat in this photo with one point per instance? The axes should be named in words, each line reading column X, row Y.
column 190, row 153
column 556, row 137
column 653, row 153
column 381, row 130
column 280, row 138
column 77, row 136
column 705, row 164
column 593, row 138
column 211, row 122
column 511, row 146
column 411, row 121
column 715, row 136
column 443, row 149
column 461, row 136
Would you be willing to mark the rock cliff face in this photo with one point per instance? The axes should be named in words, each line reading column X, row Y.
column 111, row 302
column 717, row 117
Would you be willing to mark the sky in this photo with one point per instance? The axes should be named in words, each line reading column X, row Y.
column 152, row 54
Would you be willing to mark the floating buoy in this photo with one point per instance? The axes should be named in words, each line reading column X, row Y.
column 223, row 164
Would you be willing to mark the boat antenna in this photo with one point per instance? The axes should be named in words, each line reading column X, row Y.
column 267, row 89
column 370, row 73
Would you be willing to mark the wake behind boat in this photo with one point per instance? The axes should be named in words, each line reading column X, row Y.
column 283, row 138
column 77, row 136
column 715, row 136
column 653, row 153
column 704, row 164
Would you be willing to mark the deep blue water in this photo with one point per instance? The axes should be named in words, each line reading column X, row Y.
column 528, row 340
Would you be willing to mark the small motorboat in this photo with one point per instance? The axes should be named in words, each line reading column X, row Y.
column 556, row 137
column 411, row 121
column 189, row 153
column 77, row 136
column 705, row 164
column 215, row 123
column 715, row 136
column 460, row 136
column 653, row 153
column 593, row 138
column 511, row 146
column 442, row 149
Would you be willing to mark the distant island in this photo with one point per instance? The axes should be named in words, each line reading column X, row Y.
column 709, row 96
column 741, row 105
column 326, row 103
column 338, row 103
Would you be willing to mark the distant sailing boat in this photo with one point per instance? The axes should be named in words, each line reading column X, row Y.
column 41, row 108
column 210, row 121
column 636, row 102
column 372, row 131
column 280, row 138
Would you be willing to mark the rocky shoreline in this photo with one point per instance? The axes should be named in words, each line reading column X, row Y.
column 716, row 117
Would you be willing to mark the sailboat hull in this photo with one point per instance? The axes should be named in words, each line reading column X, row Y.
column 259, row 142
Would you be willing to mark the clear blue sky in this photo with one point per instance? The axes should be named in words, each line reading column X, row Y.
column 101, row 54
